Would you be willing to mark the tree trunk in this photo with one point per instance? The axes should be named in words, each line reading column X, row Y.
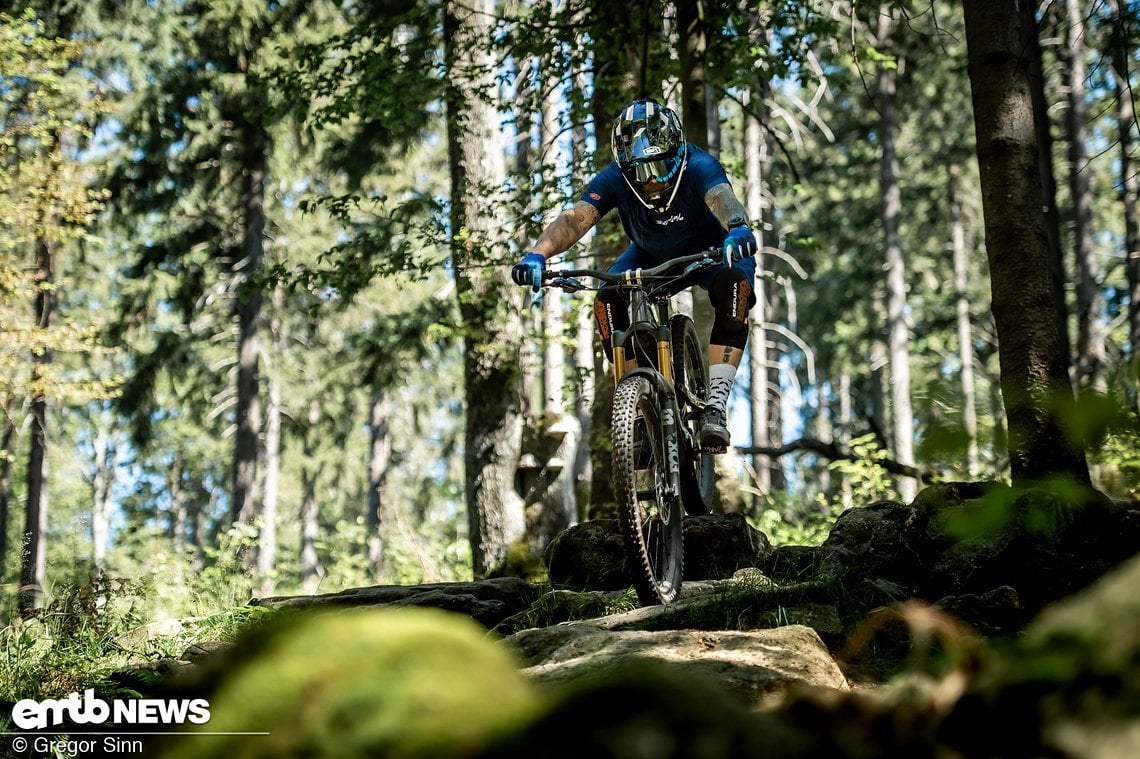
column 179, row 505
column 379, row 458
column 1034, row 367
column 6, row 449
column 491, row 342
column 102, row 483
column 1090, row 341
column 614, row 86
column 1130, row 184
column 965, row 329
column 33, row 563
column 248, row 310
column 898, row 337
column 267, row 537
column 311, row 570
column 846, row 496
column 1044, row 135
column 693, row 50
column 776, row 307
column 755, row 155
column 585, row 345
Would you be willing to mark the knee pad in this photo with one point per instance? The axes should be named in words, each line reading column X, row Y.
column 732, row 298
column 611, row 314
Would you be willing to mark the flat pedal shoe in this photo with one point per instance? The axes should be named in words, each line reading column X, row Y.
column 714, row 431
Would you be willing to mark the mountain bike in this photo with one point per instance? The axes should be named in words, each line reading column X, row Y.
column 659, row 469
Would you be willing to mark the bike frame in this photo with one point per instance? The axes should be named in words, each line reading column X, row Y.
column 650, row 314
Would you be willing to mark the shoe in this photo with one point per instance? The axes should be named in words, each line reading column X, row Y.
column 714, row 430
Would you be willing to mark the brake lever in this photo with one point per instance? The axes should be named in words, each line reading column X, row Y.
column 696, row 266
column 568, row 284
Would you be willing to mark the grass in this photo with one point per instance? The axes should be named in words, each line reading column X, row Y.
column 93, row 630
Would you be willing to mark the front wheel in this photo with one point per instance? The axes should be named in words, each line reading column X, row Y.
column 650, row 515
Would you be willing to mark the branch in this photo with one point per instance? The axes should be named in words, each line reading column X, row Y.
column 833, row 452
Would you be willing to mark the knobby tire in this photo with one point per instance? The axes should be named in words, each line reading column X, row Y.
column 650, row 521
column 691, row 376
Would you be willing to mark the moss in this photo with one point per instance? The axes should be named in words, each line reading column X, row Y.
column 366, row 682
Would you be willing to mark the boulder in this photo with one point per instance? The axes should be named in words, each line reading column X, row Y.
column 590, row 555
column 486, row 601
column 755, row 665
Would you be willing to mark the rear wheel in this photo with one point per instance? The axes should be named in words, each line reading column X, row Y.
column 650, row 517
column 691, row 378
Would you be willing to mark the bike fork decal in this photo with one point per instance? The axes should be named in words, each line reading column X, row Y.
column 672, row 451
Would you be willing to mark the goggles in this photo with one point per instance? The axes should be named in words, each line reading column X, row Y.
column 660, row 170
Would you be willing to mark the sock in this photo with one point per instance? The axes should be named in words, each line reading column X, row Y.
column 721, row 377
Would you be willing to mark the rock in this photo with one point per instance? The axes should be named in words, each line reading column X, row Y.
column 869, row 558
column 997, row 612
column 590, row 555
column 716, row 545
column 755, row 665
column 793, row 563
column 486, row 601
column 650, row 708
column 404, row 682
column 1069, row 686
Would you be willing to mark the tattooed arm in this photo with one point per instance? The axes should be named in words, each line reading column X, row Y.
column 723, row 203
column 567, row 229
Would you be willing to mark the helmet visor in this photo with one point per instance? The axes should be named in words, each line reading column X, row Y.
column 659, row 170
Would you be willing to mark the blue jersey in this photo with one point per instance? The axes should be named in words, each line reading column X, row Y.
column 688, row 226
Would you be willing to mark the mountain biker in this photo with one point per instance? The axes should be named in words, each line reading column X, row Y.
column 674, row 199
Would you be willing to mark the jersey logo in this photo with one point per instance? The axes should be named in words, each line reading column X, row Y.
column 671, row 219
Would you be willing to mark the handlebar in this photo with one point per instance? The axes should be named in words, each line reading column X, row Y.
column 567, row 278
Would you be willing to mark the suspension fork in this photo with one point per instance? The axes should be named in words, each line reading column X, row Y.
column 664, row 351
column 641, row 310
column 666, row 401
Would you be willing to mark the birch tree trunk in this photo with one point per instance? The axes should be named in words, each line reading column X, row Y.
column 965, row 328
column 492, row 339
column 1090, row 340
column 1034, row 368
column 898, row 336
column 755, row 158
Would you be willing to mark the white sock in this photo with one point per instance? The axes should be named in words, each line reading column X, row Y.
column 721, row 377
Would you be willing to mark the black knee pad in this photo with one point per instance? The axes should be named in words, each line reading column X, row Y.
column 732, row 298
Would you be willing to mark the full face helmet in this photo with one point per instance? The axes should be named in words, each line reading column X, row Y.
column 651, row 152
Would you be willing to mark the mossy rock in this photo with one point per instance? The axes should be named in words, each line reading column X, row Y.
column 365, row 682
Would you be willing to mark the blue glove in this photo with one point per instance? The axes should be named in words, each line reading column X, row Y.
column 739, row 244
column 528, row 271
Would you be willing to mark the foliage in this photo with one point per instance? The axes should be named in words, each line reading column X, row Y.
column 868, row 480
column 69, row 644
column 1116, row 462
column 47, row 110
column 789, row 521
